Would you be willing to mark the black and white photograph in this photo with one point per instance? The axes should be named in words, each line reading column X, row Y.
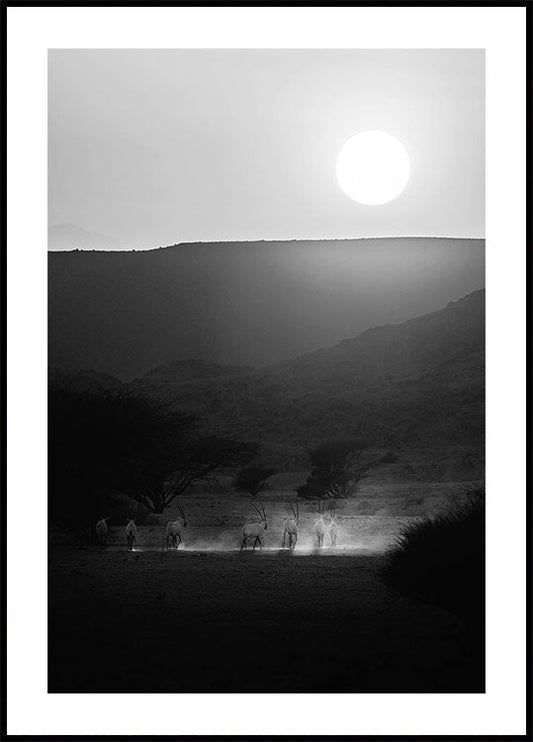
column 266, row 425
column 266, row 371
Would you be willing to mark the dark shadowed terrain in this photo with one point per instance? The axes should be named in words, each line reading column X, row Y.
column 150, row 621
column 244, row 303
column 416, row 387
column 268, row 344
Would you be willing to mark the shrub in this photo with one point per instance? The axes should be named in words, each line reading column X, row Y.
column 337, row 468
column 441, row 560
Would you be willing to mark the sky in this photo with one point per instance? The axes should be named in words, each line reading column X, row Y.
column 154, row 147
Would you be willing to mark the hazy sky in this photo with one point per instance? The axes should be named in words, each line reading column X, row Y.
column 156, row 147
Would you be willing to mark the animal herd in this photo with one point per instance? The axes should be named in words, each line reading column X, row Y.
column 325, row 528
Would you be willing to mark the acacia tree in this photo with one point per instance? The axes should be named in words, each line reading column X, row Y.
column 201, row 460
column 337, row 467
column 252, row 479
column 104, row 442
column 99, row 443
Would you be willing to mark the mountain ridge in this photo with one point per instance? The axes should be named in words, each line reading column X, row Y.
column 416, row 388
column 239, row 305
column 288, row 240
column 421, row 396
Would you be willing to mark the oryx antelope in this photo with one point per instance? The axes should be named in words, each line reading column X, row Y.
column 333, row 529
column 131, row 533
column 290, row 527
column 320, row 526
column 101, row 532
column 256, row 530
column 174, row 530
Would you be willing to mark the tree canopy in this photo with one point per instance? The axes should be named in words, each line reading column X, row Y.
column 336, row 469
column 117, row 442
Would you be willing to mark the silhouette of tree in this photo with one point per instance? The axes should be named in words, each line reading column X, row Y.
column 337, row 468
column 252, row 479
column 100, row 441
column 201, row 461
column 109, row 442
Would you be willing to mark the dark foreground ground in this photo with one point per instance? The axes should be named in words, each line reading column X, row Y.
column 152, row 621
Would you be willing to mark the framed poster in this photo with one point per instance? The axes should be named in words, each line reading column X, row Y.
column 266, row 304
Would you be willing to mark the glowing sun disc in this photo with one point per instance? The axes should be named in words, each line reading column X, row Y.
column 373, row 167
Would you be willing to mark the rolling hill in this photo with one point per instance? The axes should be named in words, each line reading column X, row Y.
column 244, row 304
column 415, row 387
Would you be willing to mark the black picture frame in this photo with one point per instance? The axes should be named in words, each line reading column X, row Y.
column 4, row 710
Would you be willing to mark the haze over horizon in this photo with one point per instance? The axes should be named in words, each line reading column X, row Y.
column 70, row 237
column 230, row 158
column 152, row 148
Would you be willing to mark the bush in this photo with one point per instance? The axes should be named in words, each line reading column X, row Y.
column 337, row 468
column 441, row 560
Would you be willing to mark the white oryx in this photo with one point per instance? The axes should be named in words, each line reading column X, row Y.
column 290, row 527
column 320, row 526
column 131, row 533
column 333, row 529
column 256, row 530
column 101, row 532
column 174, row 530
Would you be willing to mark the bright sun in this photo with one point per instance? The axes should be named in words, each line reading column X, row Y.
column 373, row 167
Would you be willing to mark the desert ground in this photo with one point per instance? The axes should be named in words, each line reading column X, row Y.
column 209, row 618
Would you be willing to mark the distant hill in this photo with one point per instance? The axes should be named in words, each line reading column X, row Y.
column 414, row 392
column 402, row 352
column 181, row 372
column 71, row 237
column 245, row 304
column 415, row 387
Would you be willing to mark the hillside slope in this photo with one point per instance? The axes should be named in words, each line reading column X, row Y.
column 417, row 386
column 242, row 304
